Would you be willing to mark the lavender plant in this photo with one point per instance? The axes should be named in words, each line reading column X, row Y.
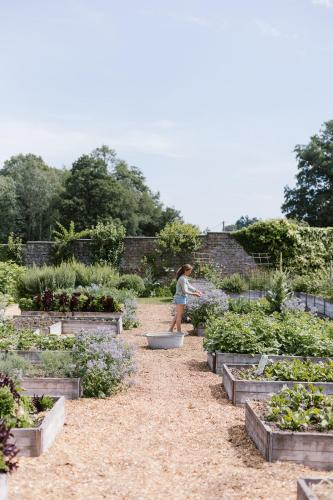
column 212, row 303
column 103, row 363
column 130, row 319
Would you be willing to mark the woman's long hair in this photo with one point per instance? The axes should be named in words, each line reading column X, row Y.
column 181, row 270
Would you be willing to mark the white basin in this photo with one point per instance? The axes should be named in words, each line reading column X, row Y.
column 165, row 340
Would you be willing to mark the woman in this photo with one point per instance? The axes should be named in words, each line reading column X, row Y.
column 183, row 289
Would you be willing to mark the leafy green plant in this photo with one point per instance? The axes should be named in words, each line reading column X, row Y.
column 178, row 239
column 14, row 249
column 295, row 370
column 64, row 238
column 132, row 282
column 14, row 339
column 280, row 291
column 8, row 451
column 298, row 407
column 107, row 241
column 42, row 403
column 292, row 333
column 10, row 274
column 303, row 248
column 57, row 363
column 233, row 283
column 15, row 410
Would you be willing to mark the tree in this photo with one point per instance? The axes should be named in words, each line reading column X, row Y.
column 312, row 198
column 37, row 188
column 101, row 187
column 8, row 206
column 87, row 193
column 245, row 221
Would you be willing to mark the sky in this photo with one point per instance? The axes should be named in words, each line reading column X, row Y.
column 208, row 98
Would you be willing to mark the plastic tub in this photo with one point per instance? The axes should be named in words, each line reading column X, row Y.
column 165, row 340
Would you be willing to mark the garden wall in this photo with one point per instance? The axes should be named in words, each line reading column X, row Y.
column 217, row 248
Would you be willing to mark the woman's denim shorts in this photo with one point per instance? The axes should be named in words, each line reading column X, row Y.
column 180, row 299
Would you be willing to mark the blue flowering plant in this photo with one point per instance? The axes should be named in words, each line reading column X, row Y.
column 213, row 303
column 103, row 363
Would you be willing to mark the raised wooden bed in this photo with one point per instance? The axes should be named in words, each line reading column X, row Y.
column 313, row 449
column 75, row 326
column 32, row 442
column 69, row 388
column 100, row 317
column 239, row 391
column 3, row 486
column 218, row 359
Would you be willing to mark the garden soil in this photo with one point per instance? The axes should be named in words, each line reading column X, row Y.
column 172, row 435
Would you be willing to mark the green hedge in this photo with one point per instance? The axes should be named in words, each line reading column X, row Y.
column 303, row 248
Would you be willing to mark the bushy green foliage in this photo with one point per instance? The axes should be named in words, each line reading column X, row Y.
column 178, row 239
column 132, row 282
column 42, row 403
column 14, row 250
column 234, row 283
column 303, row 248
column 10, row 274
column 293, row 333
column 67, row 275
column 63, row 249
column 15, row 410
column 298, row 407
column 244, row 306
column 296, row 369
column 107, row 242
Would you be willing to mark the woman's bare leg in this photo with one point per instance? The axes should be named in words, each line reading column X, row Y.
column 179, row 314
column 173, row 322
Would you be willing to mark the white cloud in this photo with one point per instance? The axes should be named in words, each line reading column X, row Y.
column 60, row 145
column 324, row 3
column 268, row 30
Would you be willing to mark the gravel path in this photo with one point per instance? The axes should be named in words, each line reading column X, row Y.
column 172, row 435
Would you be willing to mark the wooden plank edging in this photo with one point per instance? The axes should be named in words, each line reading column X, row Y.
column 34, row 441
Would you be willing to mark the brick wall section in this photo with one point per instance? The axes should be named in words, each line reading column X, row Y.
column 217, row 248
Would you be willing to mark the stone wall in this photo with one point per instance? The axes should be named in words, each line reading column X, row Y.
column 219, row 249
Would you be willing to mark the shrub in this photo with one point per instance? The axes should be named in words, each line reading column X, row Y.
column 303, row 248
column 211, row 304
column 10, row 274
column 233, row 283
column 132, row 282
column 107, row 241
column 8, row 451
column 14, row 249
column 178, row 239
column 102, row 362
